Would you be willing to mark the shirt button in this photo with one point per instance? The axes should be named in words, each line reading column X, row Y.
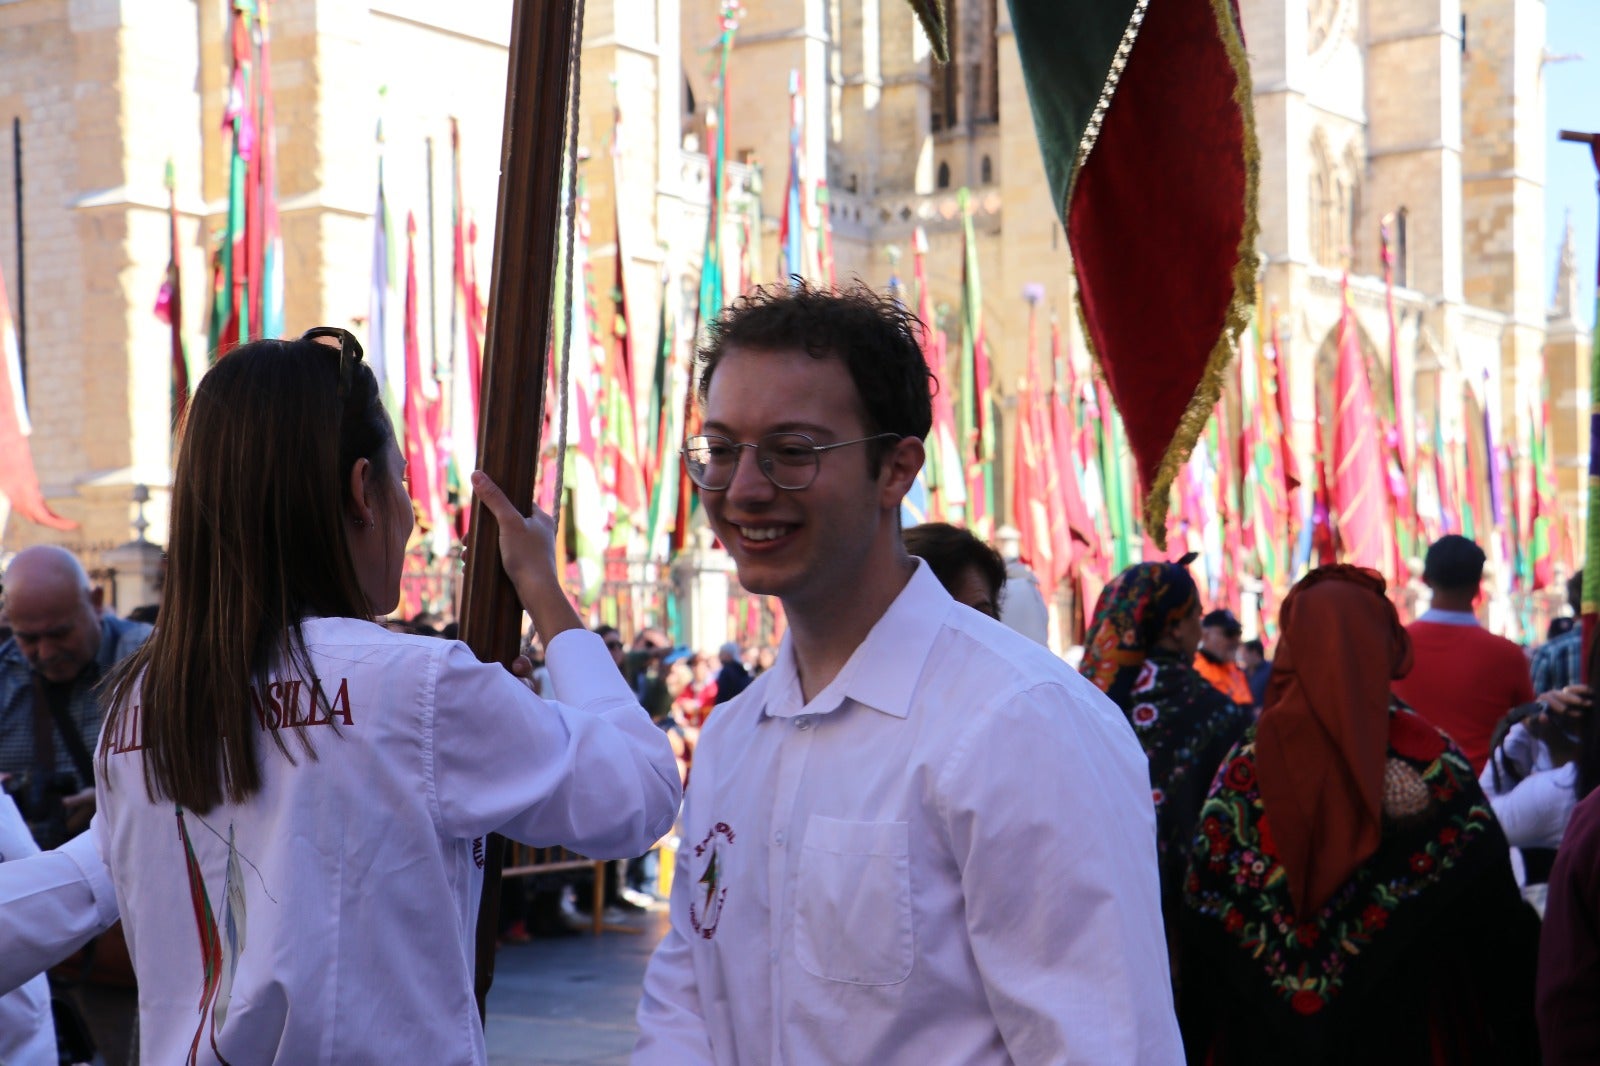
column 773, row 955
column 803, row 722
column 777, row 838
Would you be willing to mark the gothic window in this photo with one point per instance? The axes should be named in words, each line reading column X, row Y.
column 967, row 89
column 986, row 172
column 944, row 175
column 1335, row 205
column 1402, row 260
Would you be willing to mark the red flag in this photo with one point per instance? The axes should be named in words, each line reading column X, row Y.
column 1121, row 153
column 1324, row 539
column 169, row 305
column 18, row 480
column 1080, row 523
column 1280, row 388
column 1360, row 480
column 422, row 406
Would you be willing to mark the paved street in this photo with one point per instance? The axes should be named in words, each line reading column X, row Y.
column 570, row 1000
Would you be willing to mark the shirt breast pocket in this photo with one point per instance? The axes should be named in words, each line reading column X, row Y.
column 852, row 918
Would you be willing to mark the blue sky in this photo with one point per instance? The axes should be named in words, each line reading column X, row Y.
column 1572, row 101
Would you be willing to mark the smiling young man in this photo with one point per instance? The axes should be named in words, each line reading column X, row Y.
column 919, row 837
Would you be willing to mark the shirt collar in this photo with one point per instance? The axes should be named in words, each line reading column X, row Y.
column 1449, row 618
column 882, row 672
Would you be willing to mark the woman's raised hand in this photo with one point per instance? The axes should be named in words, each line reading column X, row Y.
column 528, row 552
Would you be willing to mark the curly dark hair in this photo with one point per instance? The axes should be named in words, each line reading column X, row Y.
column 878, row 340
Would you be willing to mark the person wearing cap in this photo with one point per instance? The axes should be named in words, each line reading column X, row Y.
column 1217, row 658
column 1465, row 678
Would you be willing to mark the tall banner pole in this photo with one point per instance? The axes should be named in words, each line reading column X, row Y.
column 521, row 288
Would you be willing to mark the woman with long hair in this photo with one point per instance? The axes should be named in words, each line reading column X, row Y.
column 293, row 799
column 1350, row 896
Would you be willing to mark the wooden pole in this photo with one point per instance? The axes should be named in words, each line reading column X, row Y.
column 521, row 287
column 22, row 261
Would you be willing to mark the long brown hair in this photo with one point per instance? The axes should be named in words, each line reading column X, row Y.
column 257, row 543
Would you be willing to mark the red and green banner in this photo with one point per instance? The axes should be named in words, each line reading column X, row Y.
column 247, row 297
column 1143, row 111
column 975, row 417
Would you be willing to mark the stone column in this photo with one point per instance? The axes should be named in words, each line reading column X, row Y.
column 700, row 583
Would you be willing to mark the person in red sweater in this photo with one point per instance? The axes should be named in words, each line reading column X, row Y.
column 1465, row 678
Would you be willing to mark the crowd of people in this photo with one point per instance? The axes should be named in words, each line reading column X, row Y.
column 910, row 833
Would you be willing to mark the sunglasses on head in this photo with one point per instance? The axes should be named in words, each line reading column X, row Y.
column 350, row 352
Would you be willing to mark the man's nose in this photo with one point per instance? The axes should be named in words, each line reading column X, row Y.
column 749, row 484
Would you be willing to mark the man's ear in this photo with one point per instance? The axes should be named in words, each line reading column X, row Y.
column 901, row 465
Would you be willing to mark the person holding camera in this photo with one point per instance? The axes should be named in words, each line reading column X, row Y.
column 61, row 647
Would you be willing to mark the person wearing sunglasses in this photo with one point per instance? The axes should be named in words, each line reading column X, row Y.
column 872, row 822
column 293, row 800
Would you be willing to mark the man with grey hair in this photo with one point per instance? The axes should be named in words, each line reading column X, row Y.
column 733, row 678
column 60, row 648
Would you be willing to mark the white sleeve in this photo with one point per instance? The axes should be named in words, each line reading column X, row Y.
column 1535, row 813
column 672, row 1025
column 1051, row 782
column 592, row 773
column 51, row 904
column 1516, row 758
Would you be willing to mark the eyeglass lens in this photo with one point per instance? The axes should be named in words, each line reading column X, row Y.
column 789, row 460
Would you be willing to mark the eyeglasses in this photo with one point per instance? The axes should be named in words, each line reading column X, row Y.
column 789, row 460
column 350, row 353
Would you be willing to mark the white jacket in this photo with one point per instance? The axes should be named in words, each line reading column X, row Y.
column 27, row 1032
column 330, row 918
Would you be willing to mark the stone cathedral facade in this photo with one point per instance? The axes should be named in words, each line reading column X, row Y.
column 1425, row 115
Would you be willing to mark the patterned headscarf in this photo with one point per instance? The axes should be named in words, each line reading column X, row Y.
column 1134, row 611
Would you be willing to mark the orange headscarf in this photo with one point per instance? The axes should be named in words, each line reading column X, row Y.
column 1323, row 736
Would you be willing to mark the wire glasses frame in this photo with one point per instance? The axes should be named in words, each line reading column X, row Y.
column 350, row 353
column 789, row 460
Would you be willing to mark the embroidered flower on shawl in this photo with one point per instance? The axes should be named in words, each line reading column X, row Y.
column 1147, row 678
column 1236, row 879
column 1145, row 714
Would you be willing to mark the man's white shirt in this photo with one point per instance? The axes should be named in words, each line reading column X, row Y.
column 947, row 855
